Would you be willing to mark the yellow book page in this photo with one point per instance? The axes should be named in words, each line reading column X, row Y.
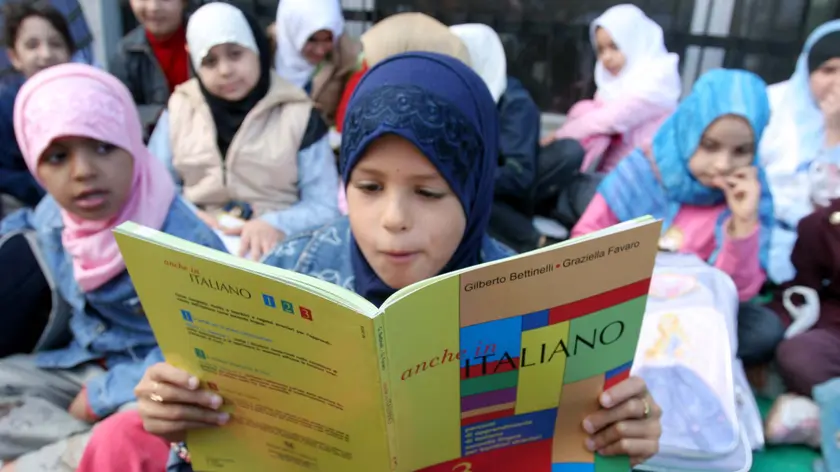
column 494, row 368
column 298, row 372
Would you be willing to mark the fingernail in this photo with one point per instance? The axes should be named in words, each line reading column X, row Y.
column 590, row 444
column 587, row 426
column 215, row 401
column 223, row 418
column 192, row 383
column 606, row 400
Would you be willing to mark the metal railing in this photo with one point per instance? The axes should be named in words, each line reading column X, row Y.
column 547, row 41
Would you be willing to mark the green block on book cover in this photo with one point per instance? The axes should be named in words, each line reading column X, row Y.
column 612, row 464
column 610, row 334
column 489, row 383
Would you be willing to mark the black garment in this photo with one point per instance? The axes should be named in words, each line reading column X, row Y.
column 519, row 128
column 827, row 47
column 136, row 66
column 26, row 293
column 512, row 227
column 228, row 116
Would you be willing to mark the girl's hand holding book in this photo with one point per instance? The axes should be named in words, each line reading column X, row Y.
column 629, row 423
column 171, row 403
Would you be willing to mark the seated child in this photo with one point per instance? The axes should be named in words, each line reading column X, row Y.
column 411, row 188
column 638, row 86
column 245, row 146
column 313, row 52
column 37, row 37
column 86, row 149
column 703, row 179
column 812, row 357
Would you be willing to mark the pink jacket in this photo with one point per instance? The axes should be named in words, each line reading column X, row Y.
column 612, row 129
column 693, row 232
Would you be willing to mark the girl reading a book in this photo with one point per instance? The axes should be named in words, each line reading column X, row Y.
column 86, row 149
column 245, row 146
column 703, row 178
column 419, row 156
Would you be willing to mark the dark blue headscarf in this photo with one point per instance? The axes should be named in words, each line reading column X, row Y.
column 444, row 108
column 634, row 189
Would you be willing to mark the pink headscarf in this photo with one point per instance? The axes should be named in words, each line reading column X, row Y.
column 80, row 100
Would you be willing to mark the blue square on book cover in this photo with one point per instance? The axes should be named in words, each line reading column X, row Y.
column 573, row 467
column 187, row 316
column 535, row 320
column 268, row 300
column 618, row 370
column 200, row 354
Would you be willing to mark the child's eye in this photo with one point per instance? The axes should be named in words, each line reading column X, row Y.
column 104, row 148
column 430, row 194
column 368, row 187
column 55, row 158
column 709, row 145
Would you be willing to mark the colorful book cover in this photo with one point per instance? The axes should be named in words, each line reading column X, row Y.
column 488, row 369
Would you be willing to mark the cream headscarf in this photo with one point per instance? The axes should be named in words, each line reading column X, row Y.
column 650, row 71
column 487, row 55
column 405, row 32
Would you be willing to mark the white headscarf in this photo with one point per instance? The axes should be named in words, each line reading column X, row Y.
column 486, row 54
column 214, row 24
column 297, row 21
column 650, row 72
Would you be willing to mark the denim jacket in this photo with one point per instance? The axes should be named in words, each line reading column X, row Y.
column 324, row 253
column 107, row 324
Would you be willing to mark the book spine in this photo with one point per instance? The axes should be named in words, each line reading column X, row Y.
column 385, row 388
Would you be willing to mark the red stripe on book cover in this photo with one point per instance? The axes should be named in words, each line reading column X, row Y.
column 598, row 302
column 477, row 369
column 487, row 417
column 529, row 457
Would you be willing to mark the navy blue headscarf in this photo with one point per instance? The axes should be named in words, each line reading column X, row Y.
column 444, row 108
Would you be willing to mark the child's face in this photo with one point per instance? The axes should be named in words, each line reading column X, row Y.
column 318, row 46
column 405, row 218
column 825, row 78
column 608, row 53
column 229, row 71
column 726, row 145
column 37, row 47
column 159, row 17
column 88, row 178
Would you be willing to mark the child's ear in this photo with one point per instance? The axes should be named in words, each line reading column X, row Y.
column 14, row 59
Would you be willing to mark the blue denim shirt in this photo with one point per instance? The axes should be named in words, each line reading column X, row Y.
column 108, row 323
column 324, row 253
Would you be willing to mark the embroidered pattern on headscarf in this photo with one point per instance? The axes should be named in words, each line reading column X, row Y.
column 445, row 110
column 434, row 123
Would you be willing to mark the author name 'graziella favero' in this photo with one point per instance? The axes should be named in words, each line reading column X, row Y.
column 547, row 268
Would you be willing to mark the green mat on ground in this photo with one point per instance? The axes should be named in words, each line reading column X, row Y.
column 781, row 458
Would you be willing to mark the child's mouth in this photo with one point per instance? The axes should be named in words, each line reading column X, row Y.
column 91, row 200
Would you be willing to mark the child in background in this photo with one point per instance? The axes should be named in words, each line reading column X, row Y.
column 152, row 59
column 37, row 37
column 802, row 139
column 86, row 149
column 313, row 52
column 245, row 146
column 810, row 354
column 638, row 86
column 703, row 179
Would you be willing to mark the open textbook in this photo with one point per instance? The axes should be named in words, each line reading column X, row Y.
column 491, row 368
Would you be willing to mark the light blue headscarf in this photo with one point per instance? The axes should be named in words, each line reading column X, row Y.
column 799, row 101
column 633, row 189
